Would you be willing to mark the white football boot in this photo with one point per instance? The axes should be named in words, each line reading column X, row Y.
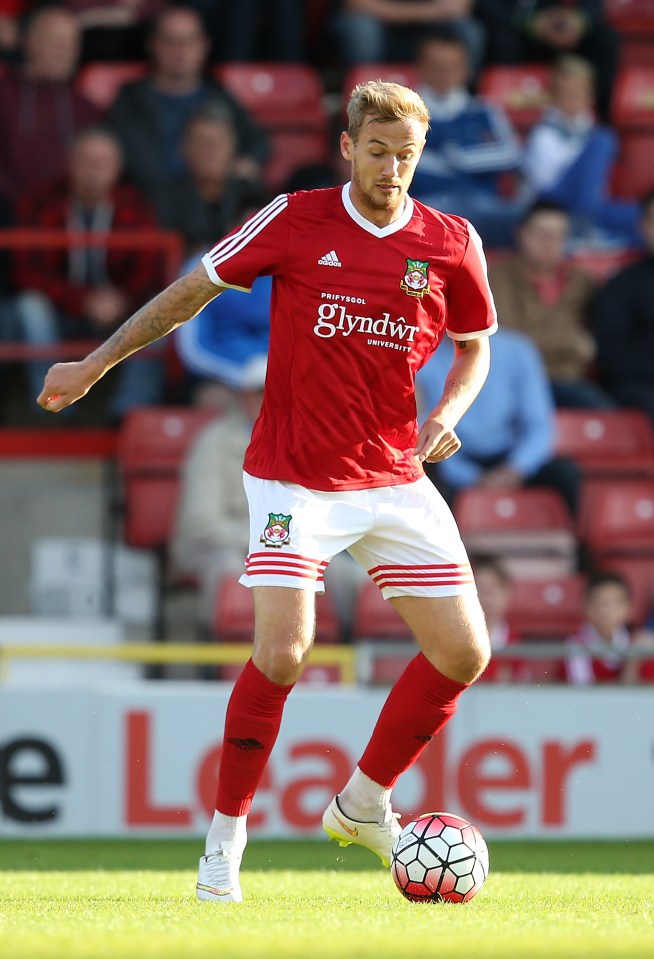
column 379, row 837
column 218, row 875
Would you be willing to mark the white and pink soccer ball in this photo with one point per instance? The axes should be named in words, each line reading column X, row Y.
column 439, row 857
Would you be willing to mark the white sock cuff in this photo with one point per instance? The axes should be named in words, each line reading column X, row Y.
column 225, row 829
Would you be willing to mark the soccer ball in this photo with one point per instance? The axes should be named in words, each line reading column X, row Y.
column 439, row 857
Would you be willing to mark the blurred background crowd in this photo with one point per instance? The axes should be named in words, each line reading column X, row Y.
column 129, row 118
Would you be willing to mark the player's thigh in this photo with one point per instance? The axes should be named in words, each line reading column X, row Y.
column 450, row 631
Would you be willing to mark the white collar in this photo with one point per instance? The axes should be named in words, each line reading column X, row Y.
column 380, row 231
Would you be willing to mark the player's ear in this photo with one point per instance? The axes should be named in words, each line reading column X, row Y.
column 346, row 145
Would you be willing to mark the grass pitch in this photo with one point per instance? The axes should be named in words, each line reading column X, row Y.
column 136, row 900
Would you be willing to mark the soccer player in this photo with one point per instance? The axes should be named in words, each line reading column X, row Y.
column 366, row 283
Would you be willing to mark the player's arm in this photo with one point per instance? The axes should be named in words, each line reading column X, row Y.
column 437, row 439
column 67, row 382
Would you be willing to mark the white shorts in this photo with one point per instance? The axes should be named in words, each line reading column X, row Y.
column 404, row 536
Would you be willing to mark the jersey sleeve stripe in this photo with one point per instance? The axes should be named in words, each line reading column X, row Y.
column 234, row 243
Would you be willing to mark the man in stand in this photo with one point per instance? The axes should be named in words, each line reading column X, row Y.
column 366, row 283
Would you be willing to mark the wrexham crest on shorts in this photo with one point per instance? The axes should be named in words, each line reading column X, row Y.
column 277, row 532
column 415, row 281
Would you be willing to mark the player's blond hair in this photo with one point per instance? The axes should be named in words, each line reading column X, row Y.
column 385, row 101
column 570, row 65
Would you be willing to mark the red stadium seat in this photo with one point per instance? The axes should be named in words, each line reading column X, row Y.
column 375, row 617
column 617, row 518
column 633, row 99
column 633, row 174
column 602, row 264
column 404, row 73
column 520, row 523
column 278, row 95
column 291, row 150
column 152, row 444
column 520, row 90
column 546, row 609
column 631, row 17
column 100, row 82
column 607, row 443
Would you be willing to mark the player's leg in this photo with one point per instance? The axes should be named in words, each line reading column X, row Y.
column 284, row 628
column 420, row 564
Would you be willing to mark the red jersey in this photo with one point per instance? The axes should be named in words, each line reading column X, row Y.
column 356, row 310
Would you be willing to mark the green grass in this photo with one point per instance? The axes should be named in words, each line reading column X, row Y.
column 129, row 899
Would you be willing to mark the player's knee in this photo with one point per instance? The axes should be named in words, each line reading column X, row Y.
column 281, row 665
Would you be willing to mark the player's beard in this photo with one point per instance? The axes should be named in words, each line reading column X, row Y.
column 378, row 201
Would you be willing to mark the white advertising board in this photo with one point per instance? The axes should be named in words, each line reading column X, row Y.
column 141, row 759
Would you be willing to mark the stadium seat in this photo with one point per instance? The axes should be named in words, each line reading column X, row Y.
column 522, row 523
column 100, row 82
column 375, row 617
column 633, row 174
column 278, row 95
column 546, row 609
column 291, row 150
column 631, row 17
column 607, row 443
column 404, row 73
column 632, row 104
column 520, row 90
column 617, row 518
column 152, row 444
column 602, row 264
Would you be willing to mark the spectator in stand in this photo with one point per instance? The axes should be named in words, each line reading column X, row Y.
column 203, row 203
column 605, row 635
column 114, row 30
column 508, row 434
column 150, row 115
column 253, row 30
column 232, row 331
column 569, row 159
column 373, row 31
column 623, row 325
column 470, row 144
column 10, row 14
column 40, row 110
column 539, row 31
column 85, row 292
column 9, row 331
column 494, row 591
column 210, row 536
column 538, row 292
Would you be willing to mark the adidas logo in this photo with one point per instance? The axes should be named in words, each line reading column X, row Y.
column 330, row 259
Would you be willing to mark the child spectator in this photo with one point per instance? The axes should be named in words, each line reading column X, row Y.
column 600, row 644
column 494, row 591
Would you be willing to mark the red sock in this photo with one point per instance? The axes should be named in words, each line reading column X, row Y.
column 254, row 715
column 418, row 706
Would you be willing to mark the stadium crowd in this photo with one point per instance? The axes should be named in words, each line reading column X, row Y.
column 141, row 115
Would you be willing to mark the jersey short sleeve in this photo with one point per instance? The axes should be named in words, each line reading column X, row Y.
column 257, row 248
column 471, row 310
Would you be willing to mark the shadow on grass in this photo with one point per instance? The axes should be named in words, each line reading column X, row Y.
column 557, row 856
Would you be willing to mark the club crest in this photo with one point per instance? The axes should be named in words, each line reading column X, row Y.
column 415, row 281
column 277, row 532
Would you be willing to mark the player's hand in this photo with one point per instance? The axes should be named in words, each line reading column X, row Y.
column 436, row 442
column 65, row 383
